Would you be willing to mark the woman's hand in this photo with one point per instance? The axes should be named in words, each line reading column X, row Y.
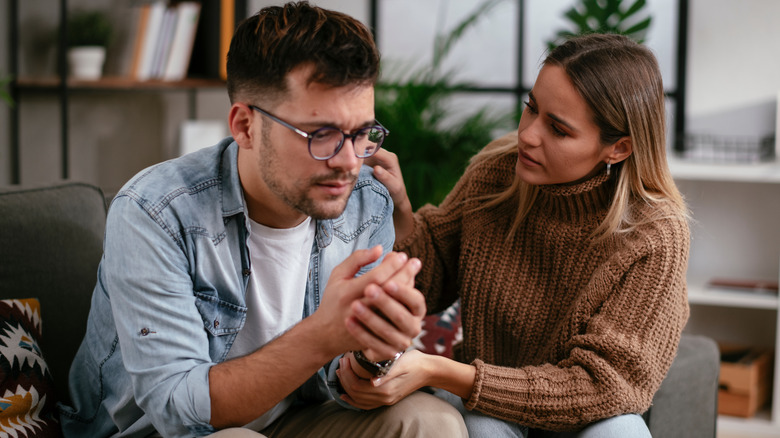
column 388, row 172
column 407, row 375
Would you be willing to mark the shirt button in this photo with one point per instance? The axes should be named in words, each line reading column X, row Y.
column 216, row 323
column 144, row 331
column 246, row 272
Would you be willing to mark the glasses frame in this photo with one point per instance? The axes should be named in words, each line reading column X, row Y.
column 310, row 135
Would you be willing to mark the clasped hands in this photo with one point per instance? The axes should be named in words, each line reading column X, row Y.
column 379, row 312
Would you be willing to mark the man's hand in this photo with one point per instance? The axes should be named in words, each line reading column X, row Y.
column 392, row 310
column 356, row 313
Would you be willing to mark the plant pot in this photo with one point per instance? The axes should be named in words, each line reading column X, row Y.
column 86, row 62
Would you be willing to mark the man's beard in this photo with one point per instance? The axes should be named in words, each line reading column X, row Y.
column 296, row 194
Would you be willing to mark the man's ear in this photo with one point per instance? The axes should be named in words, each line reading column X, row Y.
column 621, row 150
column 240, row 121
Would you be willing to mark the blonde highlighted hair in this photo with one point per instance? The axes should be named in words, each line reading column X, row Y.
column 620, row 81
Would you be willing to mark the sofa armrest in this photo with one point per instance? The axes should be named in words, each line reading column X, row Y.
column 686, row 404
column 52, row 241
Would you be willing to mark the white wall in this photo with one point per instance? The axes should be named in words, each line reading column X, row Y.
column 733, row 66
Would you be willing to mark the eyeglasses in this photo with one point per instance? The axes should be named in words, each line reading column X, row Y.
column 326, row 142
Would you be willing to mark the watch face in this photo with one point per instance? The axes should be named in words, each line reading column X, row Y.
column 384, row 367
column 377, row 368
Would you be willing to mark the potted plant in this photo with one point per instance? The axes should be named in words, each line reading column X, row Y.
column 433, row 142
column 89, row 33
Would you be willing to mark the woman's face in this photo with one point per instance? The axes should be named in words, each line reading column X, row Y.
column 558, row 141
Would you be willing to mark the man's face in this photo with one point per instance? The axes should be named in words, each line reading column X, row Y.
column 281, row 176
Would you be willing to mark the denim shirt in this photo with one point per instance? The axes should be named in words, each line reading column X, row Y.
column 170, row 294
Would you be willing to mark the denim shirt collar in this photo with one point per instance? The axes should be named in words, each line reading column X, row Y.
column 233, row 201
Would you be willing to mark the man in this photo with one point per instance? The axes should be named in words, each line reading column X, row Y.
column 229, row 275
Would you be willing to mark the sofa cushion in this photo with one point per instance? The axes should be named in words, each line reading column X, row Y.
column 52, row 240
column 440, row 332
column 27, row 394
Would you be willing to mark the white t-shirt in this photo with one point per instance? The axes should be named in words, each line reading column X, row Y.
column 275, row 292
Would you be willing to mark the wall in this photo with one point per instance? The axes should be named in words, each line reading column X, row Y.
column 732, row 78
column 733, row 67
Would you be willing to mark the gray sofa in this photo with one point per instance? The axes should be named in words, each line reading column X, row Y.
column 51, row 239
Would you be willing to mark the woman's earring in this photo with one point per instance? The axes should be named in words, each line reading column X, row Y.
column 609, row 167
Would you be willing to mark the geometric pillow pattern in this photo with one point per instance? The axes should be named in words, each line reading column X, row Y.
column 440, row 332
column 27, row 395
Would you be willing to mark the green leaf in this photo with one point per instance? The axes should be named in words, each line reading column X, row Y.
column 604, row 16
column 634, row 8
column 639, row 27
column 5, row 95
column 580, row 20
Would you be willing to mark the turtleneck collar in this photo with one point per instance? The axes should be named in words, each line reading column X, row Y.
column 576, row 202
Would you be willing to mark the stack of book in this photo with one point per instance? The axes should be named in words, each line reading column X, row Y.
column 164, row 39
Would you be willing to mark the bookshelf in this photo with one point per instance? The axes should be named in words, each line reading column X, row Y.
column 735, row 233
column 201, row 74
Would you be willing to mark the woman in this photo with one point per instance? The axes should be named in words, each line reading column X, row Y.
column 567, row 244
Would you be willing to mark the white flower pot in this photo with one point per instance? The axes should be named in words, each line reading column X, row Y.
column 86, row 62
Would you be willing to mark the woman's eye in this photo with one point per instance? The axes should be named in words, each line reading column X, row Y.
column 530, row 107
column 557, row 131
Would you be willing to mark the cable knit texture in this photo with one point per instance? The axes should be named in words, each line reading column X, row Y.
column 563, row 331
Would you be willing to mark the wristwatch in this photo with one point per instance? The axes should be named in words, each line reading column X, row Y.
column 378, row 369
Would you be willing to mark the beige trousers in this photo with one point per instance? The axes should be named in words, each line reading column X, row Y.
column 420, row 415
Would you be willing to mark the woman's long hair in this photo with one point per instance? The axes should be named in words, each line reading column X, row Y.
column 621, row 83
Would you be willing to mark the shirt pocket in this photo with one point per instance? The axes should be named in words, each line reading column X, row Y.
column 222, row 321
column 219, row 317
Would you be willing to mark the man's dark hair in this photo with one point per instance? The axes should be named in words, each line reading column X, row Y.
column 278, row 39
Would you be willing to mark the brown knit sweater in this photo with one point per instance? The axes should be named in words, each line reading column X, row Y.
column 562, row 331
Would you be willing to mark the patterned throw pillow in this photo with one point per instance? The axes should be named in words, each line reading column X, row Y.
column 440, row 332
column 27, row 397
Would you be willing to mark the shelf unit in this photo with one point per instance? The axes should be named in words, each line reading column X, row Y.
column 735, row 233
column 63, row 87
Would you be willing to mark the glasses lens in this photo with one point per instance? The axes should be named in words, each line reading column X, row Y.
column 324, row 142
column 368, row 141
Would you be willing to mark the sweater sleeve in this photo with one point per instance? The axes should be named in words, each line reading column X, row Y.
column 437, row 234
column 616, row 361
column 436, row 242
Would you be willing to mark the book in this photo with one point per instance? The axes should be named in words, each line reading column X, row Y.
column 151, row 35
column 178, row 60
column 163, row 43
column 142, row 12
column 746, row 285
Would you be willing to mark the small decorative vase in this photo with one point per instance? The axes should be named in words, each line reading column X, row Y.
column 86, row 62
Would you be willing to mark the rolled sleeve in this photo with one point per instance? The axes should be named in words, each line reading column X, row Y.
column 164, row 346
